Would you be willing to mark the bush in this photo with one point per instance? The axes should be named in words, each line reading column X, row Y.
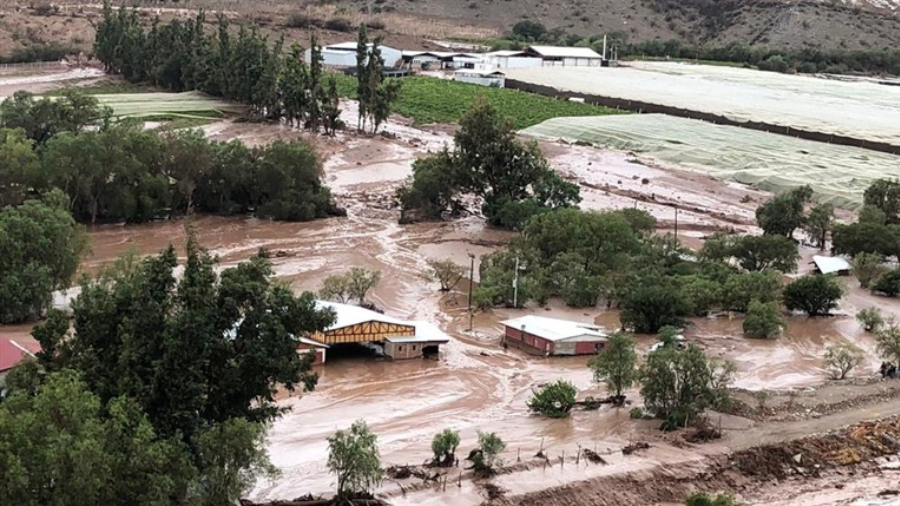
column 554, row 400
column 742, row 288
column 375, row 24
column 298, row 20
column 763, row 320
column 888, row 284
column 353, row 457
column 37, row 52
column 841, row 359
column 815, row 294
column 339, row 25
column 486, row 456
column 868, row 267
column 870, row 318
column 444, row 447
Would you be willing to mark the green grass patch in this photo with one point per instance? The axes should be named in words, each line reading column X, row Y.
column 429, row 100
column 109, row 88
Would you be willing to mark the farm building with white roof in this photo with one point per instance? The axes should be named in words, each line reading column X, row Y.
column 540, row 335
column 357, row 325
column 565, row 56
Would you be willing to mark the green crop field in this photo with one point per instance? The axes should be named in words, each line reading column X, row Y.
column 155, row 105
column 431, row 100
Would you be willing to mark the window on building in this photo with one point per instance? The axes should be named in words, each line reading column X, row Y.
column 414, row 347
column 399, row 348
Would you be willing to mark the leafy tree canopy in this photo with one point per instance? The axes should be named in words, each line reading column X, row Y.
column 40, row 249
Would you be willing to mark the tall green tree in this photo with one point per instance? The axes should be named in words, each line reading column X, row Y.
column 884, row 195
column 61, row 446
column 40, row 250
column 616, row 364
column 784, row 213
column 353, row 457
column 677, row 385
column 814, row 294
column 819, row 224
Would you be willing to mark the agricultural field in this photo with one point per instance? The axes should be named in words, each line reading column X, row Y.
column 154, row 106
column 429, row 100
column 772, row 162
column 862, row 110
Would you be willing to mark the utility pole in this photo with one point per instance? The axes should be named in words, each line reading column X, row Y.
column 471, row 284
column 676, row 220
column 516, row 285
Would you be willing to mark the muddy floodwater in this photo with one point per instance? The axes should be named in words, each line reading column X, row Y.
column 476, row 385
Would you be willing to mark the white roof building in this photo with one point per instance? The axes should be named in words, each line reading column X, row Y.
column 566, row 56
column 831, row 265
column 555, row 330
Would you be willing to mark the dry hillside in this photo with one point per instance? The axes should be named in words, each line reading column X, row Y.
column 411, row 23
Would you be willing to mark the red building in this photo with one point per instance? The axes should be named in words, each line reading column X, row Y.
column 539, row 335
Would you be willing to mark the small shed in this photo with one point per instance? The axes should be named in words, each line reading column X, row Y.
column 483, row 77
column 831, row 265
column 314, row 347
column 425, row 343
column 565, row 56
column 539, row 335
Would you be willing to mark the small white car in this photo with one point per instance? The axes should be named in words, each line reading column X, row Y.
column 680, row 344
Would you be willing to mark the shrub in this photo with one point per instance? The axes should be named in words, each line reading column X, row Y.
column 841, row 359
column 888, row 284
column 490, row 446
column 353, row 457
column 298, row 20
column 554, row 400
column 375, row 24
column 762, row 320
column 868, row 267
column 704, row 499
column 444, row 447
column 339, row 25
column 815, row 294
column 870, row 318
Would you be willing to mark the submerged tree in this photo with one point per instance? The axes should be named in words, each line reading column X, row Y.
column 446, row 272
column 615, row 364
column 553, row 400
column 841, row 359
column 677, row 385
column 487, row 455
column 353, row 457
column 444, row 447
column 784, row 213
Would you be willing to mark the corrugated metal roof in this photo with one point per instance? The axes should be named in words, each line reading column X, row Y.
column 506, row 52
column 830, row 265
column 311, row 342
column 565, row 52
column 425, row 333
column 12, row 352
column 553, row 329
column 348, row 315
column 481, row 72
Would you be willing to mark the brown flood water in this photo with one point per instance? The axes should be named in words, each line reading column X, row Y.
column 475, row 385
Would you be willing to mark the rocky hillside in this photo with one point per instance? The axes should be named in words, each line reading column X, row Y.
column 858, row 24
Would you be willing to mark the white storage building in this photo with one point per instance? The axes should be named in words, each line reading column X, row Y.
column 553, row 56
column 344, row 55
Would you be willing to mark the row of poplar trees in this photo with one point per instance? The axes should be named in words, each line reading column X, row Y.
column 180, row 56
column 278, row 85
